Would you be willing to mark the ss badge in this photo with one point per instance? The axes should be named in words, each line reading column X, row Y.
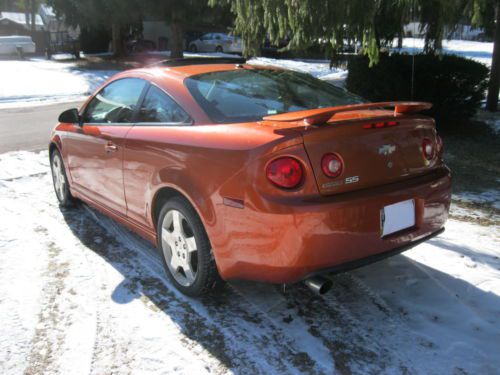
column 351, row 180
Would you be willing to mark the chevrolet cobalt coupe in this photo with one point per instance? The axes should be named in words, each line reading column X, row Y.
column 236, row 171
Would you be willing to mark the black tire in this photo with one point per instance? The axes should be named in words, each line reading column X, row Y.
column 219, row 49
column 193, row 48
column 207, row 277
column 63, row 194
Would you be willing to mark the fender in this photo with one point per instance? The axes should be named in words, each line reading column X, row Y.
column 175, row 179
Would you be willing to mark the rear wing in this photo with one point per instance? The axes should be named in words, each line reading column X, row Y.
column 322, row 115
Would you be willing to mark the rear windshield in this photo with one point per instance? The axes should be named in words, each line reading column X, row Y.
column 249, row 94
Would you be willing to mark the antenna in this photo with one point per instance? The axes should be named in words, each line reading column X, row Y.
column 412, row 83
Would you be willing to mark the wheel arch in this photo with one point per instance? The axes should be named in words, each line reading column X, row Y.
column 55, row 144
column 166, row 192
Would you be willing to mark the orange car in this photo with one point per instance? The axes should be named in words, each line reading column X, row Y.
column 243, row 172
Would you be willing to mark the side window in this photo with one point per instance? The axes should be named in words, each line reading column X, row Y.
column 159, row 107
column 116, row 102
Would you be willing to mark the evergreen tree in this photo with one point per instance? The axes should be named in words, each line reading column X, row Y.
column 186, row 14
column 30, row 7
column 115, row 14
column 372, row 22
column 120, row 14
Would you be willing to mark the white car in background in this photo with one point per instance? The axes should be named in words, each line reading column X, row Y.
column 11, row 45
column 216, row 42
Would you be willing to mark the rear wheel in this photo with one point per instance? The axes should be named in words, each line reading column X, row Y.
column 185, row 248
column 193, row 48
column 219, row 49
column 61, row 185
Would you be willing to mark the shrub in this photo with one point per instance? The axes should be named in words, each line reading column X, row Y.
column 94, row 40
column 454, row 85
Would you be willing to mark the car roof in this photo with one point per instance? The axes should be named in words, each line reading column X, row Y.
column 184, row 69
column 191, row 70
column 182, row 72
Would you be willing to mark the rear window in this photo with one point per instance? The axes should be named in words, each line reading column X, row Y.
column 250, row 94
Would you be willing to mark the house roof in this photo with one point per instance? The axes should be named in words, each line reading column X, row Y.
column 21, row 18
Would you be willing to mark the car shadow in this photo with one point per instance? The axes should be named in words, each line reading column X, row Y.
column 258, row 328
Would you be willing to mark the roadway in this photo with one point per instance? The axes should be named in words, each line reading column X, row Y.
column 29, row 128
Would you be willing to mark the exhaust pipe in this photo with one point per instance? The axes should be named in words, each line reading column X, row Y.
column 319, row 284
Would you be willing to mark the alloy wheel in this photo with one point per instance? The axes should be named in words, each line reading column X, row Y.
column 179, row 247
column 58, row 177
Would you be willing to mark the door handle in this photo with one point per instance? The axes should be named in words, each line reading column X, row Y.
column 111, row 147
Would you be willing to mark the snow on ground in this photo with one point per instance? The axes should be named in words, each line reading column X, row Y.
column 39, row 81
column 490, row 118
column 490, row 197
column 478, row 51
column 81, row 294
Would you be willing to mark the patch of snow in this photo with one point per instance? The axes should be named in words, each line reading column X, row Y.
column 81, row 294
column 39, row 81
column 492, row 119
column 21, row 164
column 491, row 197
column 479, row 51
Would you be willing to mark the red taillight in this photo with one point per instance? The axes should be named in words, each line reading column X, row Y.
column 332, row 165
column 428, row 149
column 380, row 125
column 285, row 172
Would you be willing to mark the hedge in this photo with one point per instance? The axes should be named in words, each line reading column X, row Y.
column 454, row 85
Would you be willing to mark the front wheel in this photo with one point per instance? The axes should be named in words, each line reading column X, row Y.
column 185, row 248
column 193, row 48
column 60, row 181
column 219, row 49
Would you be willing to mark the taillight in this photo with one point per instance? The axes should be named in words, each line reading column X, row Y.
column 332, row 165
column 379, row 125
column 428, row 149
column 285, row 172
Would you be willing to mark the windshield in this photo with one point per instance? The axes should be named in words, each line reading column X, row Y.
column 249, row 94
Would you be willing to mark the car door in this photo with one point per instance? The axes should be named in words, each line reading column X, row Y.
column 95, row 148
column 217, row 41
column 151, row 146
column 205, row 44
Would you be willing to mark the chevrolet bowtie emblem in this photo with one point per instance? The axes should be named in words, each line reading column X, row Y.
column 386, row 149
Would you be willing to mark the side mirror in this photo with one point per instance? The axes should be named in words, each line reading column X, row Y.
column 70, row 116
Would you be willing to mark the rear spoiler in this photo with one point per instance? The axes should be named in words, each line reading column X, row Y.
column 322, row 115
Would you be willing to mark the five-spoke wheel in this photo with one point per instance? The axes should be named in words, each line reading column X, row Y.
column 60, row 181
column 179, row 247
column 185, row 248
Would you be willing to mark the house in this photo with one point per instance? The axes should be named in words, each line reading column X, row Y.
column 18, row 23
column 51, row 32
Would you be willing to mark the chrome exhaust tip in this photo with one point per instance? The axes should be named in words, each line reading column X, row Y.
column 318, row 284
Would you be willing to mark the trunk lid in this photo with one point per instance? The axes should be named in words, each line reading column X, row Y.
column 372, row 156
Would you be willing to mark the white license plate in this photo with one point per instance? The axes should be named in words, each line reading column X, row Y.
column 397, row 216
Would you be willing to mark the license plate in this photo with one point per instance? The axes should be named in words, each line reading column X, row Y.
column 397, row 216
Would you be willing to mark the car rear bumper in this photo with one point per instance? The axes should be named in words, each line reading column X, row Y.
column 289, row 241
